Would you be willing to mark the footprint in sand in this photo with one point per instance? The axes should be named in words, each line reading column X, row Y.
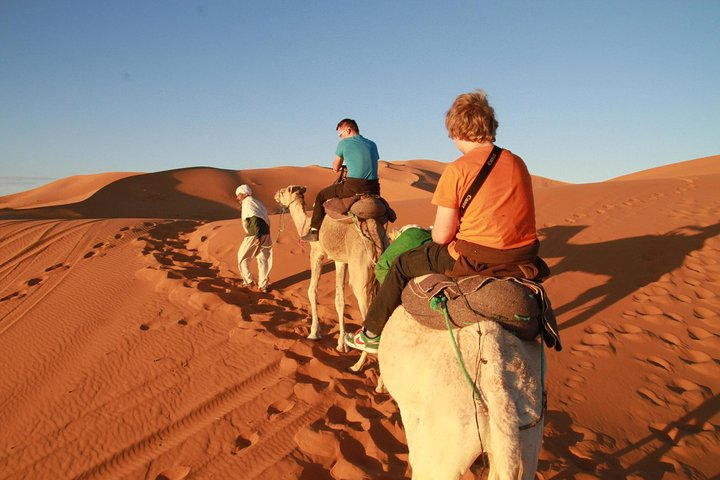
column 56, row 266
column 659, row 362
column 681, row 385
column 652, row 396
column 574, row 381
column 597, row 328
column 582, row 455
column 681, row 298
column 703, row 293
column 12, row 295
column 704, row 313
column 664, row 431
column 628, row 329
column 280, row 407
column 696, row 357
column 649, row 310
column 655, row 290
column 34, row 281
column 244, row 441
column 697, row 333
column 321, row 443
column 583, row 366
column 595, row 340
column 671, row 339
column 674, row 316
column 174, row 473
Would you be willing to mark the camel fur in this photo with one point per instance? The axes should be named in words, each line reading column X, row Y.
column 351, row 252
column 446, row 428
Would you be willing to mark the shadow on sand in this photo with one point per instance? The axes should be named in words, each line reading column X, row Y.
column 630, row 263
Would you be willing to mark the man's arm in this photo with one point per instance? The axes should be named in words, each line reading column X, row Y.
column 445, row 226
column 337, row 163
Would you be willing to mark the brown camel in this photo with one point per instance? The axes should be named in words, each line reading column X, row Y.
column 347, row 247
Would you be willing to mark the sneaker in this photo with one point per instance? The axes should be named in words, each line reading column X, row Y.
column 361, row 341
column 311, row 236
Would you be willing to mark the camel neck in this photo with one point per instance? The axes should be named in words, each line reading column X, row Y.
column 297, row 212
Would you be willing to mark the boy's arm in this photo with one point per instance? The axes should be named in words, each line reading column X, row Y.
column 446, row 225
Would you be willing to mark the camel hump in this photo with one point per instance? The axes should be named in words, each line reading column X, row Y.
column 518, row 305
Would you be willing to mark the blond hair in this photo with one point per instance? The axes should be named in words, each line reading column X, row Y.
column 471, row 118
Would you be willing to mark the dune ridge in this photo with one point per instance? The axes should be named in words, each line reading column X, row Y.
column 130, row 349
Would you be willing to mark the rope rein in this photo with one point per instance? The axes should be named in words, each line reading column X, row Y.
column 439, row 303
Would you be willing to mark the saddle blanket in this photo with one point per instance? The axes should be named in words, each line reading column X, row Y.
column 519, row 305
column 362, row 206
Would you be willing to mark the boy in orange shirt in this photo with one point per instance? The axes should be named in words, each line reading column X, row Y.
column 495, row 235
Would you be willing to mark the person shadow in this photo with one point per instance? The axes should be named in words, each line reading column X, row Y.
column 628, row 263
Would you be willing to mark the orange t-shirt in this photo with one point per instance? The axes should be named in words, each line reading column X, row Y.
column 502, row 214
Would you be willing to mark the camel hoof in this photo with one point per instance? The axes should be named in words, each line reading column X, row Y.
column 317, row 336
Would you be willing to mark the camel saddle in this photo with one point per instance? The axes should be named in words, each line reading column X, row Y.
column 519, row 305
column 363, row 206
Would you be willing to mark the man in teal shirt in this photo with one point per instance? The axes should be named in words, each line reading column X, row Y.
column 360, row 156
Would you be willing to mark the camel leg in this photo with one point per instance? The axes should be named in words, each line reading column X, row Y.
column 340, row 273
column 361, row 282
column 316, row 259
column 360, row 363
column 442, row 444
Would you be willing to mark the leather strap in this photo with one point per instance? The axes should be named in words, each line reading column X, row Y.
column 480, row 179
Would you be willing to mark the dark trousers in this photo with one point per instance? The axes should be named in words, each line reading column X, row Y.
column 427, row 258
column 348, row 188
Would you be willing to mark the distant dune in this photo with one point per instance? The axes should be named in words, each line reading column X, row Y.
column 130, row 349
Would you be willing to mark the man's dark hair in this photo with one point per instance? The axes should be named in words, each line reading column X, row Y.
column 348, row 123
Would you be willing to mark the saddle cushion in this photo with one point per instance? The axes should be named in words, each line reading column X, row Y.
column 508, row 301
column 362, row 206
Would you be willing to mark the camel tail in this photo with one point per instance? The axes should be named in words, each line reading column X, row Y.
column 504, row 423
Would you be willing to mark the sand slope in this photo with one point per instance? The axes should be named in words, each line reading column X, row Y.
column 130, row 350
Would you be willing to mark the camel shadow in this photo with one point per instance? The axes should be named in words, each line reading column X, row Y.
column 629, row 263
column 654, row 461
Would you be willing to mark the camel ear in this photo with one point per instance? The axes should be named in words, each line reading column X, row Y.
column 297, row 189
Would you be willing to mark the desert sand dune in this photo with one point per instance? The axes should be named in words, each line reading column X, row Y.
column 130, row 350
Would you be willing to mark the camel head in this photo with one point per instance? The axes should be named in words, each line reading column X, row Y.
column 286, row 196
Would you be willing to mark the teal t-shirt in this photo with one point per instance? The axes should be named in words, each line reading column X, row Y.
column 360, row 156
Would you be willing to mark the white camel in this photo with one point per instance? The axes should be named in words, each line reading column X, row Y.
column 342, row 243
column 446, row 428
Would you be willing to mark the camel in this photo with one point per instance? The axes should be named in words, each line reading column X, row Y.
column 446, row 428
column 342, row 243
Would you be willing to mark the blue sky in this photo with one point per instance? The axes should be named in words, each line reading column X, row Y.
column 584, row 90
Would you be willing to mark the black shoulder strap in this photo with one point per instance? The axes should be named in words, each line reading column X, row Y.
column 480, row 179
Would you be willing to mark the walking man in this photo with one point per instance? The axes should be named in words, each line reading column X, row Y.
column 257, row 242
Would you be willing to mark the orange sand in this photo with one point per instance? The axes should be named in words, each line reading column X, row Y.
column 129, row 349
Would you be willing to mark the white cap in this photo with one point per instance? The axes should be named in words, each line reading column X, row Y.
column 243, row 190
